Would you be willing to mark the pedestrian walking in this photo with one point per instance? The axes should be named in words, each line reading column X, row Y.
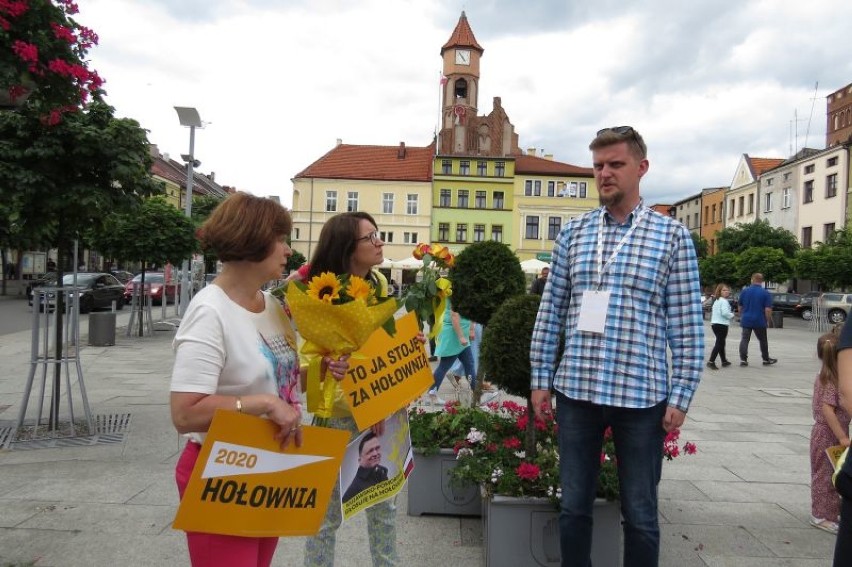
column 755, row 308
column 622, row 287
column 453, row 343
column 719, row 322
column 843, row 478
column 831, row 427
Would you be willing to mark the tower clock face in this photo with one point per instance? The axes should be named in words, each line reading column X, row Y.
column 462, row 56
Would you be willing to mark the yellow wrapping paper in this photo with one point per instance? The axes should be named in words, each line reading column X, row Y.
column 444, row 291
column 332, row 330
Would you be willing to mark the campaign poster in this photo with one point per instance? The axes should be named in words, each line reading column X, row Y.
column 243, row 484
column 375, row 467
column 387, row 373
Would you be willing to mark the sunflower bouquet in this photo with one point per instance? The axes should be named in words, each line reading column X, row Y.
column 335, row 314
column 428, row 296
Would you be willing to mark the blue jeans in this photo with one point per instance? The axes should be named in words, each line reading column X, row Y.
column 638, row 435
column 446, row 362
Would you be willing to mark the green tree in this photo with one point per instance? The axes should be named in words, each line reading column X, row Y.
column 721, row 268
column 771, row 262
column 742, row 237
column 296, row 261
column 829, row 265
column 485, row 275
column 701, row 245
column 154, row 232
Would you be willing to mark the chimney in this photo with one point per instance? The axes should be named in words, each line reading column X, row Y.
column 531, row 151
column 339, row 141
column 211, row 176
column 400, row 154
column 548, row 156
column 166, row 156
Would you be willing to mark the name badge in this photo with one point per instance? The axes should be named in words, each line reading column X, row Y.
column 593, row 311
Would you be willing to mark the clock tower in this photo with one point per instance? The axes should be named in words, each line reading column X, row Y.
column 460, row 89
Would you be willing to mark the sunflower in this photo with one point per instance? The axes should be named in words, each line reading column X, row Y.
column 359, row 288
column 324, row 287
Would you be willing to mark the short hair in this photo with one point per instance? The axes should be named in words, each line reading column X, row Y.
column 609, row 137
column 245, row 227
column 756, row 278
column 337, row 242
column 367, row 437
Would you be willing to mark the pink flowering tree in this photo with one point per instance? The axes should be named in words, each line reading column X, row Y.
column 43, row 63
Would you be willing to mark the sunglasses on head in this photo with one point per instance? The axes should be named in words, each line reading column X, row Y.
column 620, row 130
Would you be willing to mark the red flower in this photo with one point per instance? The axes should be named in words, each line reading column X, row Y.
column 26, row 51
column 491, row 447
column 61, row 32
column 690, row 448
column 528, row 471
column 512, row 443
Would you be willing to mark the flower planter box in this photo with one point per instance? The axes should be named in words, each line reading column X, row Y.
column 525, row 531
column 431, row 492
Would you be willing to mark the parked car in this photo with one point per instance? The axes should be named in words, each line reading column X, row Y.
column 836, row 306
column 122, row 275
column 97, row 291
column 48, row 278
column 155, row 282
column 787, row 303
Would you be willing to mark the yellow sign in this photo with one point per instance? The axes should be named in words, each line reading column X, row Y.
column 244, row 485
column 387, row 374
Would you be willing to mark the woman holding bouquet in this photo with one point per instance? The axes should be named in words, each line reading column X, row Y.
column 236, row 350
column 350, row 243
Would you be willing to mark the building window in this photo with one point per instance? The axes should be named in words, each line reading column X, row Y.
column 809, row 168
column 444, row 198
column 750, row 203
column 461, row 232
column 479, row 201
column 706, row 214
column 831, row 162
column 553, row 226
column 443, row 231
column 498, row 199
column 787, row 176
column 464, row 167
column 532, row 227
column 478, row 232
column 387, row 237
column 481, row 168
column 827, row 231
column 742, row 206
column 409, row 238
column 551, row 188
column 387, row 203
column 582, row 190
column 767, row 203
column 528, row 188
column 352, row 201
column 769, row 182
column 500, row 169
column 463, row 196
column 808, row 192
column 713, row 218
column 331, row 201
column 446, row 166
column 497, row 232
column 295, row 233
column 695, row 220
column 411, row 204
column 537, row 188
column 831, row 186
column 731, row 209
column 786, row 198
column 807, row 237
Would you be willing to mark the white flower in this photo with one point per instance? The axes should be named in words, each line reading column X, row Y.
column 495, row 475
column 475, row 436
column 521, row 454
column 464, row 452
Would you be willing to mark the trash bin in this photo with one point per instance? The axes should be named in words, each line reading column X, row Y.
column 777, row 320
column 102, row 329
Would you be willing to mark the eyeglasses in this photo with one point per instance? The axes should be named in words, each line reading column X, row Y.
column 373, row 237
column 620, row 130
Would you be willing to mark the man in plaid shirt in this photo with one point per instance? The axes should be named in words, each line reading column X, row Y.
column 623, row 289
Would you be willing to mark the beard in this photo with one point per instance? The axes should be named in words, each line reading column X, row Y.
column 612, row 199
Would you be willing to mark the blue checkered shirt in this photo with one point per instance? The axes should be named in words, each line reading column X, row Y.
column 655, row 302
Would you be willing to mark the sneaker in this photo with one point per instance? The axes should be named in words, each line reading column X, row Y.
column 743, row 363
column 770, row 361
column 435, row 399
column 824, row 525
column 726, row 364
column 712, row 365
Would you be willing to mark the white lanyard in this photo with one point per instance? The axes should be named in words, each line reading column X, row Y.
column 601, row 266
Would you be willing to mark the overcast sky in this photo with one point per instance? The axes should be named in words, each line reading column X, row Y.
column 279, row 81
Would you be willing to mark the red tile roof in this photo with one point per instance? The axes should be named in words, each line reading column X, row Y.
column 380, row 163
column 759, row 165
column 462, row 37
column 541, row 166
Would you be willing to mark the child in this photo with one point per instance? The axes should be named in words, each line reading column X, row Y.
column 831, row 427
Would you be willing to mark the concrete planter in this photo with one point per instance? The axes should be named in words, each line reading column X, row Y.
column 431, row 492
column 525, row 531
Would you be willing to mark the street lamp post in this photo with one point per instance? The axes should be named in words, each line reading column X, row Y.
column 188, row 116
